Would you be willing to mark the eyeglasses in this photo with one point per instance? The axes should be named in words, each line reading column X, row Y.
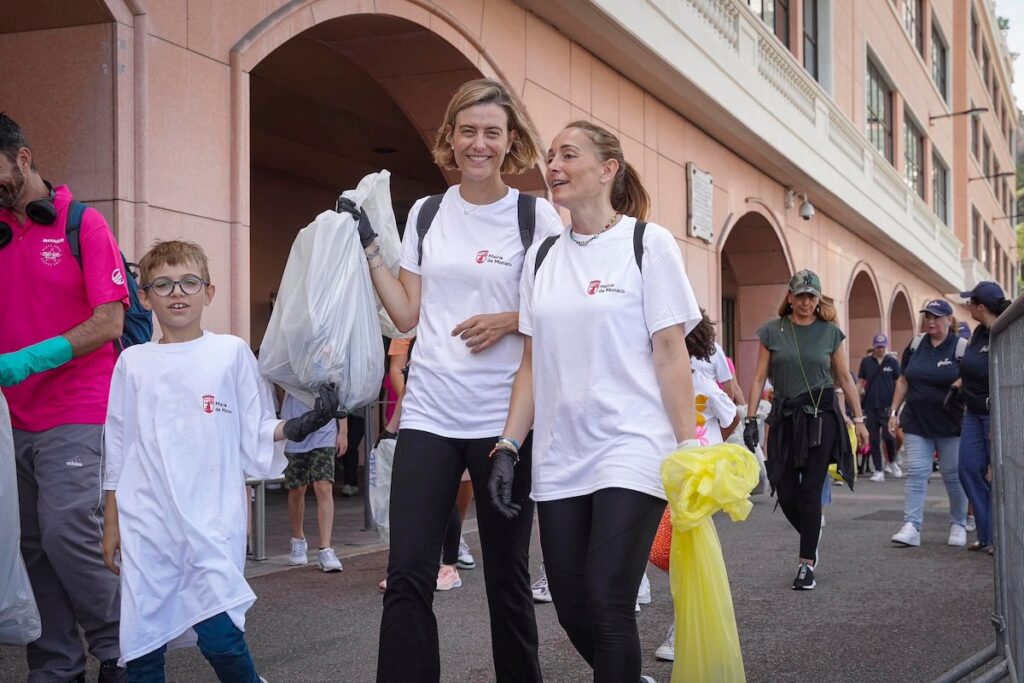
column 164, row 286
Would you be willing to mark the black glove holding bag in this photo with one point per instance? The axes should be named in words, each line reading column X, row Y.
column 325, row 409
column 751, row 437
column 499, row 485
column 366, row 233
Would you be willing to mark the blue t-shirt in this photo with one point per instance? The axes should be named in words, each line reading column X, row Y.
column 974, row 372
column 880, row 380
column 930, row 370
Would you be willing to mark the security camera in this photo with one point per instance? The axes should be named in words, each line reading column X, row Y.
column 806, row 210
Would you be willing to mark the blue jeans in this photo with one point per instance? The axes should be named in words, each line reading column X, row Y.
column 974, row 460
column 221, row 643
column 920, row 453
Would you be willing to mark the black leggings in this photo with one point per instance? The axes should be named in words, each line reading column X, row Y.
column 452, row 538
column 799, row 490
column 424, row 484
column 878, row 428
column 595, row 552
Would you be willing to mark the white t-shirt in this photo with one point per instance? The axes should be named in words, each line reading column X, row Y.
column 472, row 260
column 599, row 421
column 185, row 424
column 325, row 437
column 714, row 407
column 715, row 368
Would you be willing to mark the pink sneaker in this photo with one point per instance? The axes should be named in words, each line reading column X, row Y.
column 448, row 578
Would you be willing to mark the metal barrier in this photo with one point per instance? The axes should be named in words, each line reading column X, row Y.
column 1006, row 389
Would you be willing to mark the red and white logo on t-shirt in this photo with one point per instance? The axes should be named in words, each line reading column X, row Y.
column 117, row 277
column 598, row 287
column 594, row 286
column 487, row 256
column 208, row 403
column 481, row 256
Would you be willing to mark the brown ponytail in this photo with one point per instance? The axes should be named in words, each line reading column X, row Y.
column 628, row 194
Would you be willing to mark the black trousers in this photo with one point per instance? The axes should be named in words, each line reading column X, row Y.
column 799, row 490
column 452, row 538
column 350, row 460
column 595, row 551
column 877, row 420
column 424, row 483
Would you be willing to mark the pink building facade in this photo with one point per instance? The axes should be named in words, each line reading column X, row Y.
column 234, row 122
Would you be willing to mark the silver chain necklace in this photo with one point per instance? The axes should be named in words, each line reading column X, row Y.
column 609, row 224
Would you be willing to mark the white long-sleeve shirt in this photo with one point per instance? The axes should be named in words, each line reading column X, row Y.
column 186, row 423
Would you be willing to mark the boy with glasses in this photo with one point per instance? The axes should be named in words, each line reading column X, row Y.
column 187, row 420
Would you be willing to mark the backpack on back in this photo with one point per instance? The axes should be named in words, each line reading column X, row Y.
column 638, row 247
column 961, row 345
column 527, row 219
column 138, row 322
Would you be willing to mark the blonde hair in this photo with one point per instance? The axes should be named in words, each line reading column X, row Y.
column 526, row 150
column 628, row 194
column 173, row 253
column 825, row 310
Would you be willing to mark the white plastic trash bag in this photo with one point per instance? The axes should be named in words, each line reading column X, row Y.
column 325, row 325
column 379, row 465
column 373, row 194
column 19, row 616
column 737, row 438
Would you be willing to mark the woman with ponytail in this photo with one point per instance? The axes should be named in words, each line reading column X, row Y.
column 605, row 381
column 985, row 302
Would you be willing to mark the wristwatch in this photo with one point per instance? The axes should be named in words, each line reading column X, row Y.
column 859, row 420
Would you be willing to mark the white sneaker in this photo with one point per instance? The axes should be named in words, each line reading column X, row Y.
column 465, row 559
column 298, row 554
column 348, row 490
column 877, row 476
column 887, row 469
column 908, row 535
column 971, row 524
column 636, row 608
column 957, row 535
column 666, row 652
column 647, row 679
column 540, row 588
column 822, row 520
column 896, row 471
column 643, row 596
column 328, row 561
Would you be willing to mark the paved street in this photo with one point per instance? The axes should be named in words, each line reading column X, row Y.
column 879, row 614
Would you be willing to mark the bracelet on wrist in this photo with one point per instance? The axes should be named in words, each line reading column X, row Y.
column 372, row 254
column 504, row 448
column 859, row 420
column 749, row 418
column 508, row 442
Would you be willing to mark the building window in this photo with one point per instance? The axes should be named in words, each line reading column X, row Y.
column 912, row 21
column 986, row 67
column 879, row 113
column 811, row 37
column 975, row 136
column 914, row 159
column 974, row 34
column 940, row 185
column 975, row 234
column 986, row 156
column 986, row 249
column 993, row 182
column 775, row 13
column 1006, row 272
column 939, row 65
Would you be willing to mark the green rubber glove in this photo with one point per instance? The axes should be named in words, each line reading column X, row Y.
column 46, row 355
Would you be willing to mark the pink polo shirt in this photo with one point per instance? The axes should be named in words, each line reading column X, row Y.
column 46, row 293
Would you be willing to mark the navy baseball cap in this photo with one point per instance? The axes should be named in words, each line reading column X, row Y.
column 963, row 329
column 938, row 307
column 880, row 340
column 986, row 292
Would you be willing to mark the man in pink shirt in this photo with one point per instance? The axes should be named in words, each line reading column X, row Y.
column 58, row 324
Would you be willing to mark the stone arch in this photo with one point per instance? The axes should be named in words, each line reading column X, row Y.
column 755, row 266
column 864, row 312
column 902, row 320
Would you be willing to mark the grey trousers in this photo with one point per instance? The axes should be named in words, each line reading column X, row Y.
column 59, row 477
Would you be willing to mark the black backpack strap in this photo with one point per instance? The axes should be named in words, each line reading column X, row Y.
column 638, row 243
column 425, row 217
column 73, row 229
column 542, row 252
column 527, row 218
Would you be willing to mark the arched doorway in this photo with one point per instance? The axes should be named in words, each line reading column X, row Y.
column 755, row 274
column 344, row 98
column 865, row 316
column 901, row 321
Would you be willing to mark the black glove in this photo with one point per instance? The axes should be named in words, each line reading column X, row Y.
column 325, row 409
column 751, row 437
column 499, row 485
column 954, row 401
column 385, row 434
column 366, row 233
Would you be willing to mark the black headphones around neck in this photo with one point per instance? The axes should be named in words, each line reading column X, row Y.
column 41, row 211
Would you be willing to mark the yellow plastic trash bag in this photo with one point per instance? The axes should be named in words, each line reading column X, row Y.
column 699, row 482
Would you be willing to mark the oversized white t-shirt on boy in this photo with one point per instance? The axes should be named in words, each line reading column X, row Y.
column 185, row 424
column 599, row 421
column 715, row 368
column 714, row 407
column 472, row 260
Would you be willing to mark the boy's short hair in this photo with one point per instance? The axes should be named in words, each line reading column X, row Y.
column 173, row 253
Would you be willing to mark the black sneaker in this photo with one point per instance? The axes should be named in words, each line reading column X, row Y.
column 110, row 672
column 804, row 580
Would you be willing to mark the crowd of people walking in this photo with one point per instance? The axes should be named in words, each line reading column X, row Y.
column 552, row 375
